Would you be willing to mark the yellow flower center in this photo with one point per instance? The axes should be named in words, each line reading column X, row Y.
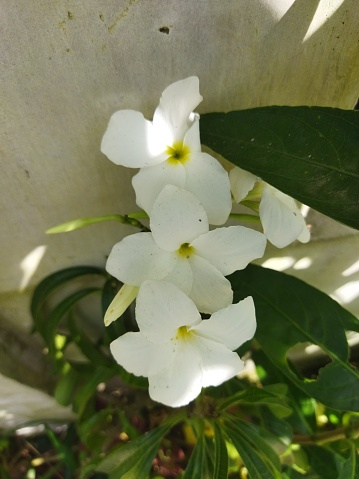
column 183, row 334
column 178, row 152
column 185, row 250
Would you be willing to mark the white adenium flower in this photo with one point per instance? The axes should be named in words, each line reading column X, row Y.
column 178, row 351
column 281, row 219
column 168, row 151
column 182, row 250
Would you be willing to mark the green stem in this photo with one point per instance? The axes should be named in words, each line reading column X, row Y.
column 327, row 436
column 253, row 205
column 244, row 217
column 87, row 221
column 140, row 215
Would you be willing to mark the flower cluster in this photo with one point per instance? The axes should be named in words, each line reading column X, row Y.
column 178, row 270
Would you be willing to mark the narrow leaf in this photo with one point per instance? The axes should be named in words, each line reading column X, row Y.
column 258, row 437
column 49, row 326
column 258, row 397
column 135, row 458
column 310, row 153
column 220, row 453
column 201, row 463
column 88, row 387
column 87, row 347
column 53, row 281
column 255, row 461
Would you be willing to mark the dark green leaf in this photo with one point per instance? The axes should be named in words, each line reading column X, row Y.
column 48, row 326
column 201, row 463
column 209, row 459
column 133, row 460
column 350, row 468
column 258, row 397
column 322, row 461
column 87, row 347
column 289, row 312
column 52, row 282
column 220, row 453
column 310, row 153
column 303, row 418
column 291, row 473
column 66, row 386
column 88, row 385
column 255, row 460
column 279, row 427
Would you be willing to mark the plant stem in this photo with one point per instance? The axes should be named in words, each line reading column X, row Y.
column 327, row 436
column 245, row 217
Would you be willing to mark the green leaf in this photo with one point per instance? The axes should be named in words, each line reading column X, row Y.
column 66, row 385
column 220, row 453
column 88, row 385
column 303, row 418
column 88, row 348
column 53, row 281
column 258, row 397
column 289, row 312
column 322, row 461
column 350, row 468
column 310, row 153
column 209, row 459
column 134, row 460
column 279, row 428
column 201, row 463
column 255, row 458
column 49, row 324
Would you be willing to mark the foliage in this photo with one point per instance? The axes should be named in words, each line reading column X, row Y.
column 310, row 153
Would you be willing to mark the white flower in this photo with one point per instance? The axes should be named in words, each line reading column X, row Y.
column 178, row 351
column 168, row 150
column 182, row 250
column 281, row 219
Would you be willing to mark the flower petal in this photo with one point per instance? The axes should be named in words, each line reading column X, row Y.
column 208, row 180
column 120, row 303
column 210, row 291
column 137, row 258
column 161, row 309
column 149, row 182
column 131, row 141
column 304, row 236
column 281, row 219
column 218, row 363
column 177, row 217
column 139, row 356
column 192, row 138
column 231, row 326
column 242, row 182
column 176, row 105
column 181, row 275
column 230, row 249
column 180, row 382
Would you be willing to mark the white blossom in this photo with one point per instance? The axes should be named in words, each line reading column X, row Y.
column 182, row 250
column 168, row 151
column 281, row 219
column 178, row 351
